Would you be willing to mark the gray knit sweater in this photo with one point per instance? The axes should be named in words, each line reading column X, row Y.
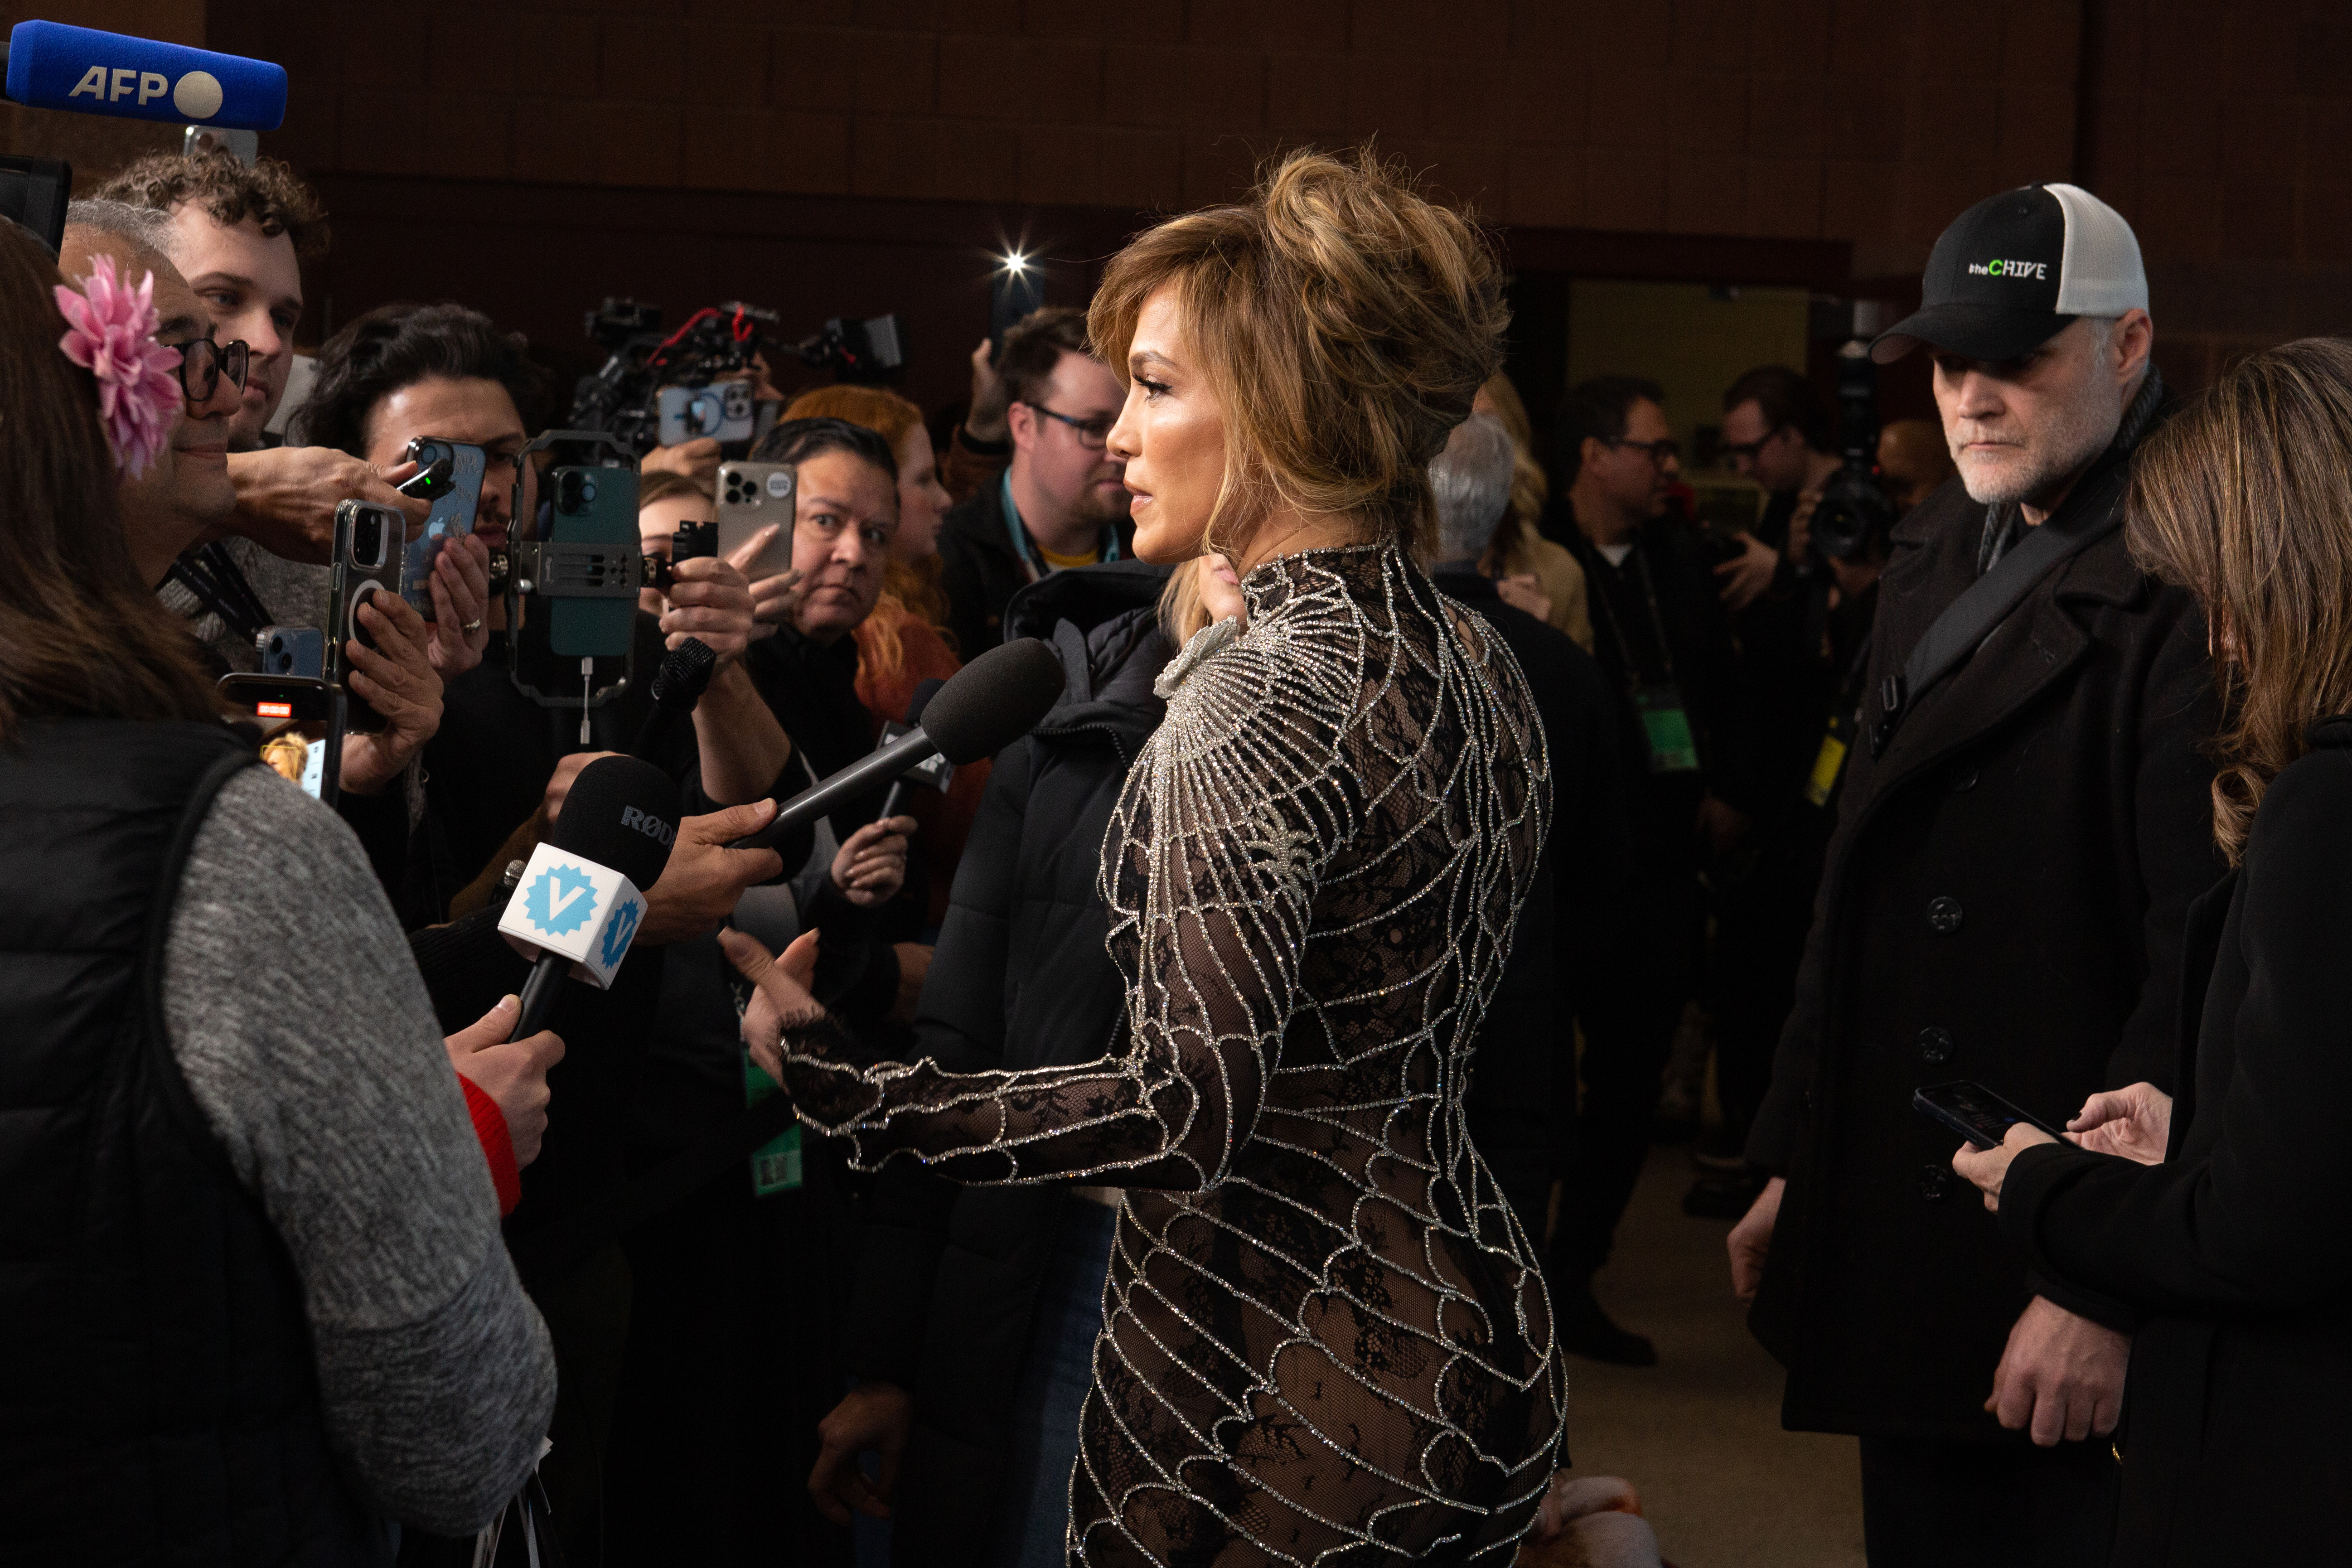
column 304, row 1031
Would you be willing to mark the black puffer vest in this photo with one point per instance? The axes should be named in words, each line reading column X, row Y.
column 158, row 1398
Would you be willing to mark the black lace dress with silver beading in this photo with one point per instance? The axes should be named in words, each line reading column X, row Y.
column 1326, row 1340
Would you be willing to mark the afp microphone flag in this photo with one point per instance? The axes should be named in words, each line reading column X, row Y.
column 575, row 908
column 84, row 71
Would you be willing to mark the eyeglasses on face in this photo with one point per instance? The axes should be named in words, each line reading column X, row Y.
column 1660, row 452
column 1748, row 451
column 202, row 365
column 1093, row 434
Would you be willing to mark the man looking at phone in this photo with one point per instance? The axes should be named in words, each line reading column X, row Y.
column 1061, row 503
column 2023, row 824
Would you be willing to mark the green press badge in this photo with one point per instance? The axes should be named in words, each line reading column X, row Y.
column 1666, row 727
column 775, row 1164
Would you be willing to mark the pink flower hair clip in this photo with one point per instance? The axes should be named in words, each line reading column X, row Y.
column 111, row 334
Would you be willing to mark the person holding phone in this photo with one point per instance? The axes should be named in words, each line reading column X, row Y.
column 251, row 1242
column 2213, row 1213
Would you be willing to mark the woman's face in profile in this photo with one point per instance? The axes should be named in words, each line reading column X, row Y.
column 1172, row 433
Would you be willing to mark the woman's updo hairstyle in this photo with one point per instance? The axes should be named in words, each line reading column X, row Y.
column 1344, row 324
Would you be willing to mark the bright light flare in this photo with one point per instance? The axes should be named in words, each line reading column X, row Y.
column 1016, row 263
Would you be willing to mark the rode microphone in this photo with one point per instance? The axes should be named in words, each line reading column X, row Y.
column 84, row 71
column 936, row 772
column 580, row 899
column 678, row 685
column 986, row 706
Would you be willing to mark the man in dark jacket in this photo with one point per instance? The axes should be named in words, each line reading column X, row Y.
column 1062, row 502
column 957, row 1309
column 1523, row 1073
column 1663, row 639
column 2024, row 823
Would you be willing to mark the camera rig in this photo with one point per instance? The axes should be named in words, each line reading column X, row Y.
column 716, row 343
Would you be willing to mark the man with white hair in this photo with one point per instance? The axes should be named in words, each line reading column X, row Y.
column 1523, row 1086
column 2024, row 820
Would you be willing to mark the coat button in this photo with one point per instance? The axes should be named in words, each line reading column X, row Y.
column 1936, row 1183
column 1935, row 1044
column 1943, row 915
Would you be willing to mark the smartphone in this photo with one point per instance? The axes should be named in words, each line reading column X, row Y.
column 1975, row 1112
column 750, row 497
column 369, row 547
column 292, row 650
column 450, row 478
column 593, row 504
column 724, row 411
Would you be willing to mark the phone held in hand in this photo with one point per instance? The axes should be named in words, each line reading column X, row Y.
column 1975, row 1112
column 369, row 547
column 750, row 497
column 450, row 478
column 724, row 411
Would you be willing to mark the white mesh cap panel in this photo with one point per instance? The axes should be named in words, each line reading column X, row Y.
column 2100, row 274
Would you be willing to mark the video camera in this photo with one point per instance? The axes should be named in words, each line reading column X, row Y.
column 656, row 390
column 1854, row 509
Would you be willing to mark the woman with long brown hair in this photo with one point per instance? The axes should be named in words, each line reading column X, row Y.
column 1325, row 1338
column 251, row 1274
column 2215, row 1213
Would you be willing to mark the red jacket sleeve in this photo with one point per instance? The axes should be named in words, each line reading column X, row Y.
column 497, row 1148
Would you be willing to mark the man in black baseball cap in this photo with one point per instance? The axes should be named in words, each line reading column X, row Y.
column 2023, row 824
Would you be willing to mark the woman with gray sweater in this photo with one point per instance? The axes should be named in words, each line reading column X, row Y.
column 250, row 1270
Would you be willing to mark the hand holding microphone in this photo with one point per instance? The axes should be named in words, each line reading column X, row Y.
column 991, row 702
column 513, row 1073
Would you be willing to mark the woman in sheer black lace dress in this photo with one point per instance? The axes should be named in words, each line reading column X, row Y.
column 1326, row 1340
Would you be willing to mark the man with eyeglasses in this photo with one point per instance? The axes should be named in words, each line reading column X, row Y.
column 1061, row 503
column 1663, row 639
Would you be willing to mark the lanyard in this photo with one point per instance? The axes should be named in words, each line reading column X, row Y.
column 1026, row 550
column 1657, row 621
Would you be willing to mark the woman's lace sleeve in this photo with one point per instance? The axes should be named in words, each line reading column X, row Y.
column 1209, row 869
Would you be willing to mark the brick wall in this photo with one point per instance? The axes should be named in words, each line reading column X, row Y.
column 2220, row 130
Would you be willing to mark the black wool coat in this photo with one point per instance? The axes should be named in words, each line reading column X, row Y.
column 2237, row 1436
column 2003, row 903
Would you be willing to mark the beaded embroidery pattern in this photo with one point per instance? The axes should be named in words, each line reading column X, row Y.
column 1326, row 1339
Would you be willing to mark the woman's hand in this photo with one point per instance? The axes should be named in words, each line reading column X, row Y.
column 396, row 680
column 1523, row 592
column 773, row 600
column 513, row 1074
column 1988, row 1167
column 872, row 865
column 460, row 586
column 2135, row 1122
column 782, row 993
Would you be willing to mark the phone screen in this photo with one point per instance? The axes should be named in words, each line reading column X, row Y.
column 1974, row 1111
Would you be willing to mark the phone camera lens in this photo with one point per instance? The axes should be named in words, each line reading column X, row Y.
column 367, row 541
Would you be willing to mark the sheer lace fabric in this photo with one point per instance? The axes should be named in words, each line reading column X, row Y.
column 1326, row 1340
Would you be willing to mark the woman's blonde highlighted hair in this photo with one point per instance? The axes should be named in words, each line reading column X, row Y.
column 1343, row 322
column 2245, row 499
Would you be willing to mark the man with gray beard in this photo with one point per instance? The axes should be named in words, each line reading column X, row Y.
column 2024, row 823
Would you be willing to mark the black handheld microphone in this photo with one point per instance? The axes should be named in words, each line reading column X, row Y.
column 915, row 706
column 582, row 897
column 986, row 706
column 678, row 685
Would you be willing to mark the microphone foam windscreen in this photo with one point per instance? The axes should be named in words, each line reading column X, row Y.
column 622, row 814
column 685, row 675
column 922, row 698
column 994, row 701
column 84, row 71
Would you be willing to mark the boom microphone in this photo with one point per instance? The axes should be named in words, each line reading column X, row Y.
column 986, row 706
column 678, row 685
column 84, row 71
column 580, row 901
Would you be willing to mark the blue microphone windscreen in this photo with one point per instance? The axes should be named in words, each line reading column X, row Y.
column 84, row 71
